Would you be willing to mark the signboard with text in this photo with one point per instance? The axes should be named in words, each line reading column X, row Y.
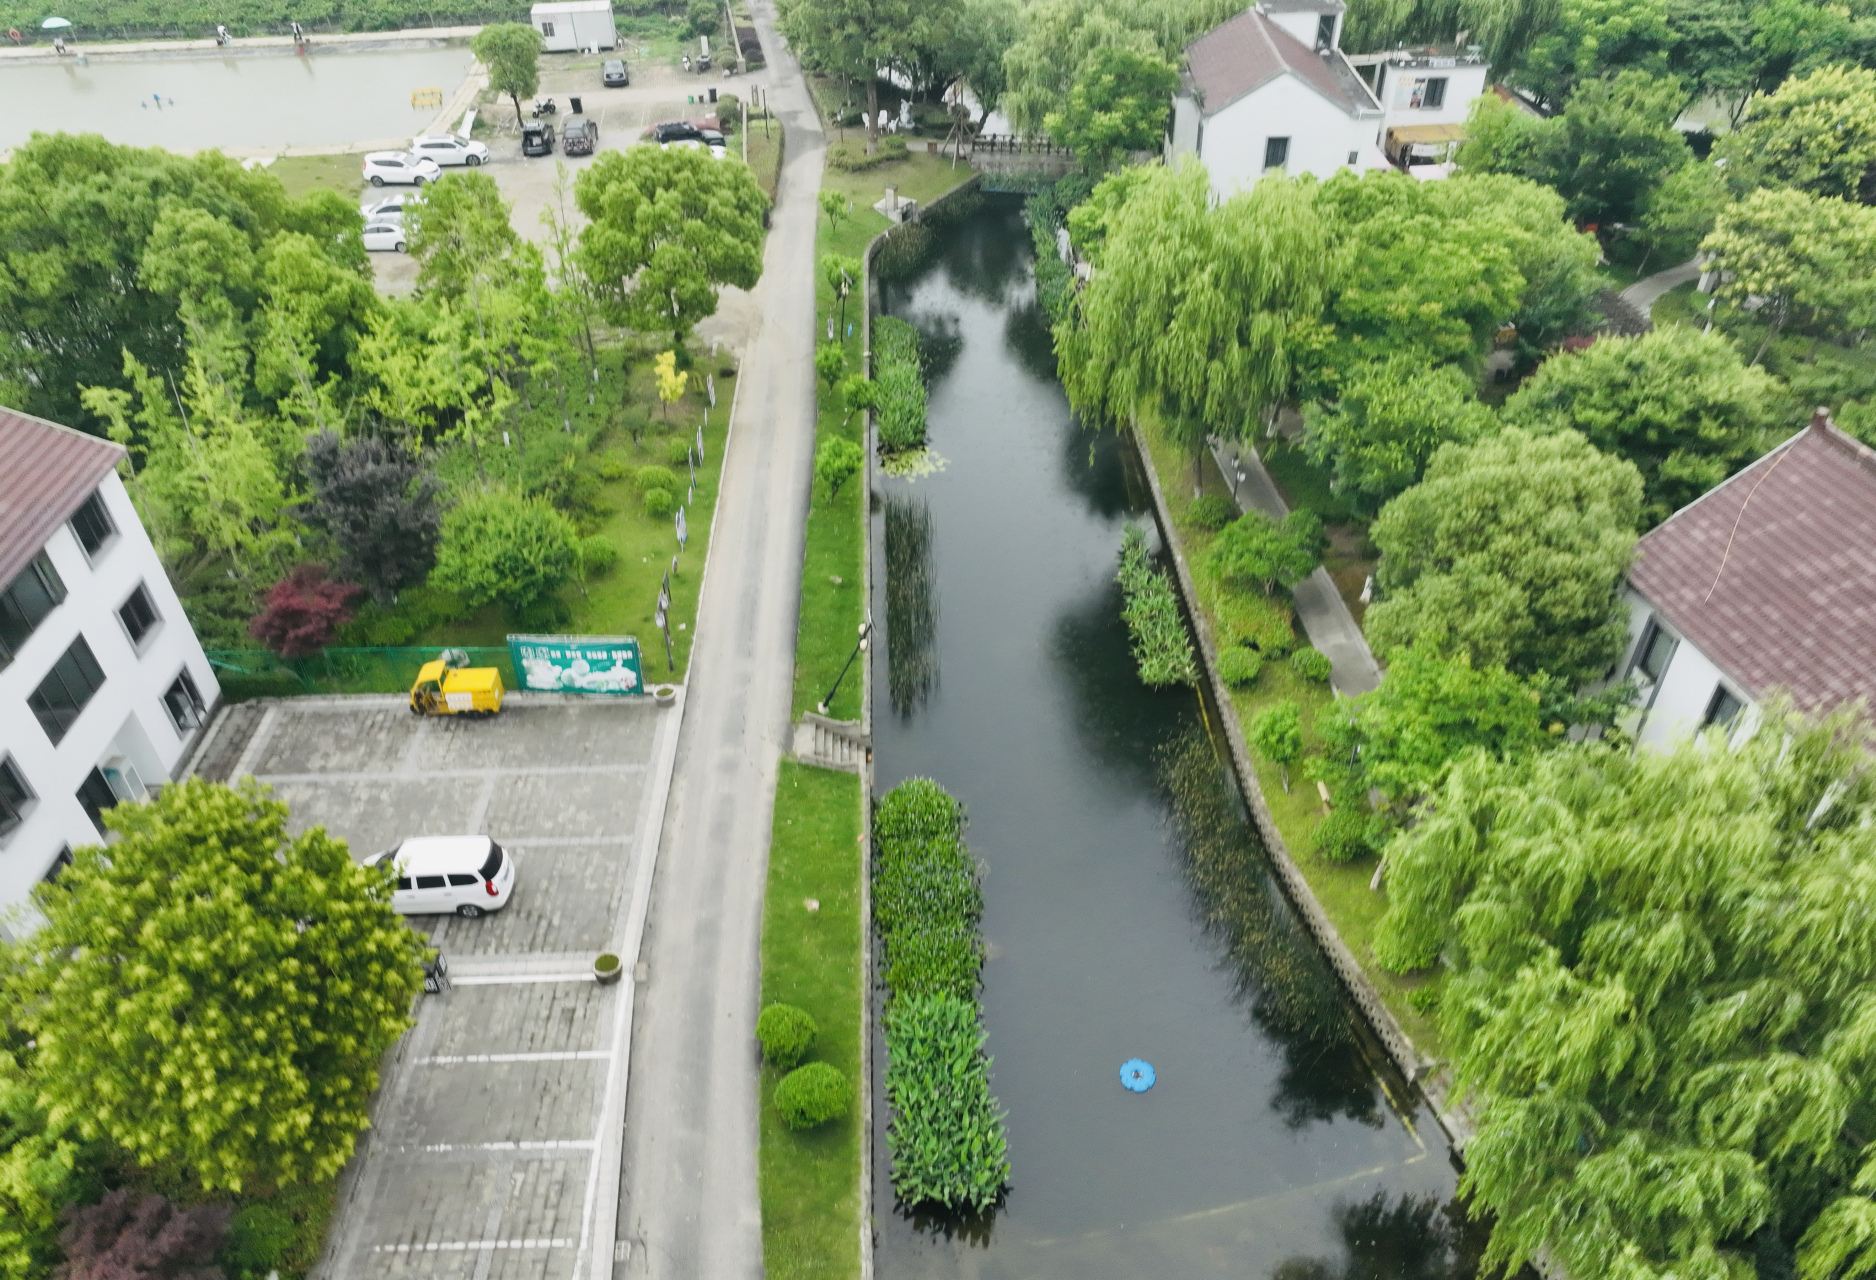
column 578, row 664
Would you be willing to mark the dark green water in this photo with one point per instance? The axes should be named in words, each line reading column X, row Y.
column 1130, row 909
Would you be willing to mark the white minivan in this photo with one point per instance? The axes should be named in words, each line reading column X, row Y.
column 437, row 875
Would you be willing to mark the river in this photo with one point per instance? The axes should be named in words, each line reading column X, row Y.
column 1130, row 910
column 245, row 101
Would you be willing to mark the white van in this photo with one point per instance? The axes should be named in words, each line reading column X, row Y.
column 469, row 875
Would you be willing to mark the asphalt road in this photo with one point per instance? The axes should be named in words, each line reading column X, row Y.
column 688, row 1203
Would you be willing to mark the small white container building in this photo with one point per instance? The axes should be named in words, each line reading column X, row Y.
column 567, row 25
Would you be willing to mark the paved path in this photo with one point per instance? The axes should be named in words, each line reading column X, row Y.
column 689, row 1207
column 1645, row 292
column 1326, row 619
column 41, row 50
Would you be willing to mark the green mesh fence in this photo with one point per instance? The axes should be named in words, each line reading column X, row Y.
column 257, row 673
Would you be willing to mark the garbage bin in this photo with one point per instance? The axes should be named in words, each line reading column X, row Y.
column 575, row 103
column 713, row 95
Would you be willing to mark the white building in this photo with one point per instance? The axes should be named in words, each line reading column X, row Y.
column 1425, row 95
column 103, row 685
column 566, row 25
column 1271, row 90
column 1767, row 582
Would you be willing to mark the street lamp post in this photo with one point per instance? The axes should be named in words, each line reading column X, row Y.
column 866, row 629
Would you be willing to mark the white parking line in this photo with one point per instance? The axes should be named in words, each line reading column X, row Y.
column 472, row 1059
column 549, row 1144
column 470, row 1246
column 431, row 775
column 504, row 979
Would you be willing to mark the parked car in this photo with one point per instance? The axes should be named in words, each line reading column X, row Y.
column 537, row 138
column 448, row 150
column 676, row 131
column 613, row 75
column 400, row 167
column 717, row 150
column 580, row 137
column 390, row 208
column 384, row 234
column 437, row 875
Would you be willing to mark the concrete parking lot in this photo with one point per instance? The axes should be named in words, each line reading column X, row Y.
column 497, row 1128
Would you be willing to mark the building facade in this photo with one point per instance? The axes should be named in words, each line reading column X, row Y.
column 103, row 684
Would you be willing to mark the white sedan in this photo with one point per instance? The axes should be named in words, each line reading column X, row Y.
column 400, row 166
column 384, row 235
column 448, row 150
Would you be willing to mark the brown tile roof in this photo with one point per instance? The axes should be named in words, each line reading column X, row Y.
column 1773, row 574
column 46, row 473
column 1250, row 50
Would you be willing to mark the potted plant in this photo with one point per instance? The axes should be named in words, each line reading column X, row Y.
column 607, row 968
column 666, row 694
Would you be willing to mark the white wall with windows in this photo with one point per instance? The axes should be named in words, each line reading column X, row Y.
column 1680, row 690
column 1428, row 90
column 103, row 686
column 1284, row 125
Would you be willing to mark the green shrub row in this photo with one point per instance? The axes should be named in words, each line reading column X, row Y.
column 900, row 413
column 1160, row 643
column 947, row 1140
column 136, row 19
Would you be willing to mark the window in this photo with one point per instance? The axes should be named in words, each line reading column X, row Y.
column 1723, row 709
column 92, row 524
column 66, row 689
column 547, row 30
column 36, row 592
column 403, row 884
column 493, row 862
column 459, row 879
column 139, row 616
column 1435, row 95
column 1353, row 156
column 1656, row 651
column 1325, row 32
column 58, row 866
column 184, row 703
column 96, row 796
column 429, row 882
column 15, row 796
column 1276, row 152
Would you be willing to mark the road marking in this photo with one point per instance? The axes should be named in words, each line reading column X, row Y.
column 475, row 1059
column 549, row 1144
column 428, row 775
column 504, row 979
column 469, row 1246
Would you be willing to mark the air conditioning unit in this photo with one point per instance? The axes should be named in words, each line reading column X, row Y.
column 126, row 782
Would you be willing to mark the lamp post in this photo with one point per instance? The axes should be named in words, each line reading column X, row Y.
column 866, row 629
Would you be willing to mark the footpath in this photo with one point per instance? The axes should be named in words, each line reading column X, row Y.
column 349, row 41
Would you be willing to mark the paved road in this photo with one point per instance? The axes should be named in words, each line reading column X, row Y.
column 689, row 1206
column 1645, row 292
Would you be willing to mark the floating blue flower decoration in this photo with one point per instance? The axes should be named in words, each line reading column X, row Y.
column 1136, row 1074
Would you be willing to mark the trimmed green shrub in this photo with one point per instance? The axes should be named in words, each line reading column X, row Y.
column 786, row 1033
column 1246, row 617
column 501, row 546
column 1347, row 834
column 1311, row 664
column 1160, row 644
column 917, row 809
column 812, row 1095
column 655, row 477
column 609, row 468
column 1211, row 512
column 677, row 451
column 659, row 502
column 947, row 1139
column 259, row 1239
column 598, row 554
column 1239, row 667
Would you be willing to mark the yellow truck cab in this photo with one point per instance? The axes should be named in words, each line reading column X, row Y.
column 449, row 686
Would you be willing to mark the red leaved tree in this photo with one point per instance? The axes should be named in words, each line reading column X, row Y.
column 126, row 1237
column 302, row 611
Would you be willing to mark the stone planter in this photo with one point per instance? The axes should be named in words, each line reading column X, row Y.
column 666, row 694
column 607, row 969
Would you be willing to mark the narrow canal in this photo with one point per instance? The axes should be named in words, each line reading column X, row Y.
column 1130, row 910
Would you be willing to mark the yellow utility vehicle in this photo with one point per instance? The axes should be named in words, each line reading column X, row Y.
column 449, row 686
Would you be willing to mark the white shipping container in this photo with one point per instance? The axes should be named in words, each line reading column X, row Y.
column 568, row 25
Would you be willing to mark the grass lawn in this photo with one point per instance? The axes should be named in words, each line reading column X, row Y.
column 1341, row 889
column 302, row 175
column 765, row 152
column 812, row 959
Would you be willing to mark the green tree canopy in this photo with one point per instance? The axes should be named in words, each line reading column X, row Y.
column 1681, row 212
column 212, row 994
column 1510, row 551
column 1256, row 551
column 1594, row 38
column 1678, row 403
column 668, row 228
column 498, row 545
column 1059, row 36
column 1200, row 312
column 1389, row 419
column 1118, row 103
column 512, row 53
column 1662, row 992
column 460, row 233
column 1812, row 258
column 1817, row 133
column 852, row 40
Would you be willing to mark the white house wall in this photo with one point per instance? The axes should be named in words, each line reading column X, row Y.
column 1302, row 25
column 1677, row 706
column 1185, row 124
column 1321, row 134
column 124, row 717
column 1464, row 84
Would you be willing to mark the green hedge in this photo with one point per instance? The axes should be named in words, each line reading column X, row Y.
column 901, row 385
column 947, row 1135
column 1160, row 643
column 94, row 20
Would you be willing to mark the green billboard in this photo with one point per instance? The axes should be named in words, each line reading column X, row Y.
column 578, row 664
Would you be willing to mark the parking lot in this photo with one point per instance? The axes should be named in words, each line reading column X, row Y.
column 495, row 1147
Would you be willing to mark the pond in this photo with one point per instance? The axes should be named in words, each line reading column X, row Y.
column 1130, row 909
column 250, row 100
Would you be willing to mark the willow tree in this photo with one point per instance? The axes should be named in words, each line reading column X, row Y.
column 1662, row 995
column 1200, row 312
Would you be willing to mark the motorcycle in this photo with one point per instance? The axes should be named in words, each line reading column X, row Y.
column 544, row 107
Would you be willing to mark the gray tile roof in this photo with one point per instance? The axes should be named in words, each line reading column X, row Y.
column 1250, row 50
column 46, row 473
column 1773, row 573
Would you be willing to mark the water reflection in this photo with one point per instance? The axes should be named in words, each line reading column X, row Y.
column 911, row 606
column 1411, row 1238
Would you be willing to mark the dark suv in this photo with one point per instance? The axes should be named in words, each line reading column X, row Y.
column 613, row 75
column 579, row 136
column 676, row 131
column 537, row 138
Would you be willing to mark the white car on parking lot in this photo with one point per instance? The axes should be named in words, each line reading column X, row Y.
column 440, row 875
column 717, row 150
column 385, row 233
column 447, row 149
column 400, row 166
column 390, row 208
